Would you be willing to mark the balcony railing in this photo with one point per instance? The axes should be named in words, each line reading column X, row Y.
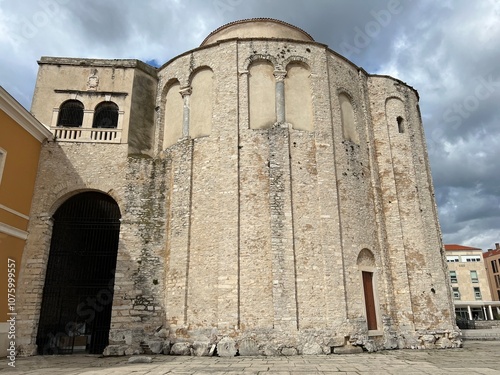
column 98, row 135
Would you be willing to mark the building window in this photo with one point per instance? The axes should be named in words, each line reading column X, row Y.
column 456, row 293
column 497, row 281
column 477, row 292
column 473, row 276
column 453, row 277
column 462, row 312
column 471, row 258
column 452, row 259
column 106, row 116
column 494, row 266
column 401, row 126
column 3, row 156
column 70, row 114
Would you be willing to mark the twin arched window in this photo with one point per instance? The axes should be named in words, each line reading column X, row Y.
column 264, row 96
column 105, row 116
column 71, row 115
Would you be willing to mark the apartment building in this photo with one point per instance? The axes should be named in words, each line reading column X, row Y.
column 469, row 282
column 492, row 264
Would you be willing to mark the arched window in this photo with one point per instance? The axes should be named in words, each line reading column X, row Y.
column 106, row 116
column 201, row 106
column 173, row 104
column 348, row 119
column 394, row 113
column 70, row 114
column 298, row 106
column 262, row 95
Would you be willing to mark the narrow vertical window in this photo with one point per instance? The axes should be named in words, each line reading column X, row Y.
column 371, row 314
column 473, row 276
column 106, row 116
column 453, row 277
column 477, row 293
column 394, row 114
column 70, row 114
column 494, row 266
column 401, row 127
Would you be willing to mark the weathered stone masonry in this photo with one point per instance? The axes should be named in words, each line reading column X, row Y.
column 250, row 234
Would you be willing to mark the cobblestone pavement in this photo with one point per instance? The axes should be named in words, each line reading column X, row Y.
column 477, row 357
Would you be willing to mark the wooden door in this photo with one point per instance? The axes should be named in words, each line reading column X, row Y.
column 371, row 314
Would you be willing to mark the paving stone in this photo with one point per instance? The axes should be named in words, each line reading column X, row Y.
column 140, row 359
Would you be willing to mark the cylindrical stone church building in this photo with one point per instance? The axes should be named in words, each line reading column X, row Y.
column 258, row 195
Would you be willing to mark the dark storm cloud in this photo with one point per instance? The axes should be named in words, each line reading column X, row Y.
column 447, row 50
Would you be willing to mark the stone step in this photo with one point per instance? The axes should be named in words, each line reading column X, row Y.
column 481, row 334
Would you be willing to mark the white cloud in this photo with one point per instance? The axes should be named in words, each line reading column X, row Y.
column 440, row 48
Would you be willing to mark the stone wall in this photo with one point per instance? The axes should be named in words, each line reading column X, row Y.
column 256, row 239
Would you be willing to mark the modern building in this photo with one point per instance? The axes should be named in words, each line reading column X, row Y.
column 259, row 194
column 469, row 282
column 21, row 138
column 492, row 264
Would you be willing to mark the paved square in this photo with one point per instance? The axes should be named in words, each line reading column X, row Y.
column 477, row 357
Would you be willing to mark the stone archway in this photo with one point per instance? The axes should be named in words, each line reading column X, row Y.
column 77, row 298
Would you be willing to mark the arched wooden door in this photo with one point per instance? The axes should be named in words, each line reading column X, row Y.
column 78, row 292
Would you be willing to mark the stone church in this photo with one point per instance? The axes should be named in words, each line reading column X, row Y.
column 257, row 195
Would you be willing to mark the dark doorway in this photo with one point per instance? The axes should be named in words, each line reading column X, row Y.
column 371, row 315
column 78, row 292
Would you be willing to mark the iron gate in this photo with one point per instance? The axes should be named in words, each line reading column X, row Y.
column 78, row 291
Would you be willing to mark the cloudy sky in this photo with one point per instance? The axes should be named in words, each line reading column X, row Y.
column 448, row 50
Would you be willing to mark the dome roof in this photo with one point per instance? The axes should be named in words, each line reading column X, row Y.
column 257, row 28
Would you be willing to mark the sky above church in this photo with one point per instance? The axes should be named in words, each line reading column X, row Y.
column 449, row 50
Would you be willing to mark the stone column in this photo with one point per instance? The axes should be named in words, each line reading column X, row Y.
column 280, row 95
column 470, row 312
column 491, row 312
column 186, row 96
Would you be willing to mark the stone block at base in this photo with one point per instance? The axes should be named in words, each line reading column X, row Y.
column 348, row 349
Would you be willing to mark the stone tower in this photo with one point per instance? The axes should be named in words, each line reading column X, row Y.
column 270, row 197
